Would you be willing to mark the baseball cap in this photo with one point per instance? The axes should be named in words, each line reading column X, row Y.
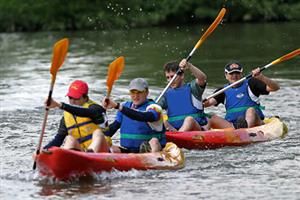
column 77, row 89
column 233, row 66
column 139, row 84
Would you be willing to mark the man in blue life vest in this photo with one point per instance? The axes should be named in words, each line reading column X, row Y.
column 82, row 123
column 183, row 102
column 139, row 120
column 242, row 104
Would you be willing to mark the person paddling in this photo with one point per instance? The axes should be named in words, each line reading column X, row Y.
column 139, row 120
column 243, row 108
column 183, row 101
column 82, row 122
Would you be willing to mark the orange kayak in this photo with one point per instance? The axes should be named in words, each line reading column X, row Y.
column 63, row 164
column 217, row 138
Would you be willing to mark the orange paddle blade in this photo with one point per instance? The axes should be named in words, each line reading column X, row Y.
column 115, row 70
column 287, row 56
column 212, row 27
column 60, row 50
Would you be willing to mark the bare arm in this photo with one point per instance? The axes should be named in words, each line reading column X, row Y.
column 271, row 85
column 199, row 75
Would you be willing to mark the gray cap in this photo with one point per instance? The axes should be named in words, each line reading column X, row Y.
column 139, row 84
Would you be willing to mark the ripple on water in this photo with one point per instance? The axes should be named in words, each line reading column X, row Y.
column 267, row 170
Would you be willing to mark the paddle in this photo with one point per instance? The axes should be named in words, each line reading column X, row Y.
column 279, row 60
column 210, row 29
column 60, row 49
column 115, row 70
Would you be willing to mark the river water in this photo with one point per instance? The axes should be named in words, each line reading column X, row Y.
column 267, row 170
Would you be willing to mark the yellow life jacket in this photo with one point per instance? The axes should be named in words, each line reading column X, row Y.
column 82, row 128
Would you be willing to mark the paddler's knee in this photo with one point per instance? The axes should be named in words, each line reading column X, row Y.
column 99, row 134
column 155, row 145
column 71, row 143
column 189, row 118
column 70, row 139
column 251, row 111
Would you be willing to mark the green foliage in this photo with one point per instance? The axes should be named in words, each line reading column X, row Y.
column 36, row 15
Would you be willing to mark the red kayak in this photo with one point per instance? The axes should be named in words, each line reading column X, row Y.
column 63, row 164
column 217, row 138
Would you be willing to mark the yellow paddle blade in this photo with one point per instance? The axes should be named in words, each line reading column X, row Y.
column 115, row 70
column 60, row 50
column 286, row 57
column 211, row 28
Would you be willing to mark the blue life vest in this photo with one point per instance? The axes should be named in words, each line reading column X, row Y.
column 238, row 101
column 180, row 105
column 133, row 133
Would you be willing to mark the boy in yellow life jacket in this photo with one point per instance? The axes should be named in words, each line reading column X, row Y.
column 82, row 123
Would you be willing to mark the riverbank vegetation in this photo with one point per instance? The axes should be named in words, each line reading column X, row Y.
column 46, row 15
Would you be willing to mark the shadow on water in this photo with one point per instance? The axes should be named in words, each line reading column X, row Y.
column 82, row 186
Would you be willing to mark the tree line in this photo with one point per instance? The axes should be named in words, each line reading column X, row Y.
column 58, row 15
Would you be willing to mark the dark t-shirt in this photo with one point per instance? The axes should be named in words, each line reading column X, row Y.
column 256, row 86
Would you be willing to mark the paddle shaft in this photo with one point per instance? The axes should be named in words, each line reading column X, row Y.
column 44, row 122
column 210, row 29
column 279, row 60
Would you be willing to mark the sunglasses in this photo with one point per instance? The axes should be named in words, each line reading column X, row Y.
column 137, row 91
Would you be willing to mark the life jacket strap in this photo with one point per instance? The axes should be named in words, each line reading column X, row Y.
column 79, row 125
column 243, row 108
column 141, row 137
column 84, row 139
column 182, row 117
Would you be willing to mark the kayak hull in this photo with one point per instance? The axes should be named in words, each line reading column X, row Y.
column 63, row 164
column 217, row 138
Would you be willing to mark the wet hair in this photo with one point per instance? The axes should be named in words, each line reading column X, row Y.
column 171, row 66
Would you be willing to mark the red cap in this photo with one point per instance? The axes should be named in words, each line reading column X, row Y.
column 77, row 89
